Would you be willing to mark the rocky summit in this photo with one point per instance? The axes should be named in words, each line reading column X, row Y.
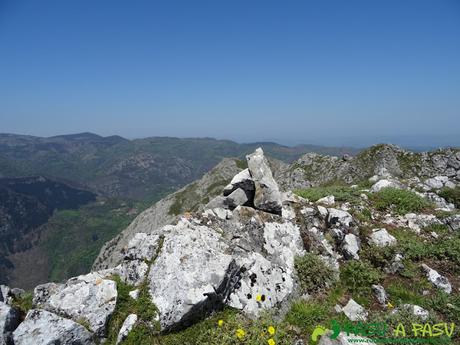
column 267, row 258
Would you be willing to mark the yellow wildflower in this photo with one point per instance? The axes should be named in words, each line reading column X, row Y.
column 271, row 342
column 240, row 333
column 220, row 323
column 390, row 306
column 259, row 298
column 271, row 330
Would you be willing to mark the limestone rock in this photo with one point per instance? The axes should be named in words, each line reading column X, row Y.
column 351, row 247
column 327, row 200
column 379, row 185
column 132, row 272
column 236, row 198
column 380, row 294
column 44, row 328
column 267, row 195
column 142, row 246
column 186, row 276
column 241, row 180
column 437, row 280
column 381, row 238
column 339, row 217
column 9, row 320
column 87, row 297
column 354, row 311
column 127, row 326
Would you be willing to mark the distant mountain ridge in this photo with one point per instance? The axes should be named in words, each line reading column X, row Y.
column 148, row 168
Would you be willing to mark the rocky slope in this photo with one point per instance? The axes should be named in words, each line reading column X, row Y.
column 257, row 265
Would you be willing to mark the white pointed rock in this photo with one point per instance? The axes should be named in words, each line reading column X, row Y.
column 381, row 238
column 127, row 326
column 267, row 194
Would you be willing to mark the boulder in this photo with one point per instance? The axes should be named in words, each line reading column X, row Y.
column 241, row 180
column 127, row 326
column 354, row 312
column 236, row 198
column 41, row 327
column 437, row 280
column 436, row 182
column 381, row 238
column 350, row 247
column 267, row 195
column 379, row 185
column 186, row 279
column 339, row 217
column 327, row 200
column 89, row 298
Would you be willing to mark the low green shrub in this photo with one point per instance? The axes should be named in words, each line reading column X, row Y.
column 313, row 273
column 358, row 276
column 399, row 200
column 340, row 193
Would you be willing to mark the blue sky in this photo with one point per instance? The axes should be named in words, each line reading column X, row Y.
column 326, row 72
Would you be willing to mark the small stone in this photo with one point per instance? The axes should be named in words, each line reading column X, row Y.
column 134, row 294
column 380, row 294
column 339, row 217
column 127, row 326
column 381, row 238
column 354, row 311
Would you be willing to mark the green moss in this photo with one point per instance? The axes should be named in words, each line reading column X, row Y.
column 313, row 273
column 398, row 200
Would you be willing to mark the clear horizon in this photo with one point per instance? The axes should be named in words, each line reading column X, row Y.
column 329, row 73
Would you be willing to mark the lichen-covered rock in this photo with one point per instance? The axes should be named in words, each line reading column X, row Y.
column 142, row 246
column 354, row 311
column 186, row 277
column 89, row 298
column 381, row 238
column 437, row 280
column 267, row 194
column 41, row 327
column 351, row 246
column 132, row 272
column 380, row 294
column 379, row 185
column 339, row 217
